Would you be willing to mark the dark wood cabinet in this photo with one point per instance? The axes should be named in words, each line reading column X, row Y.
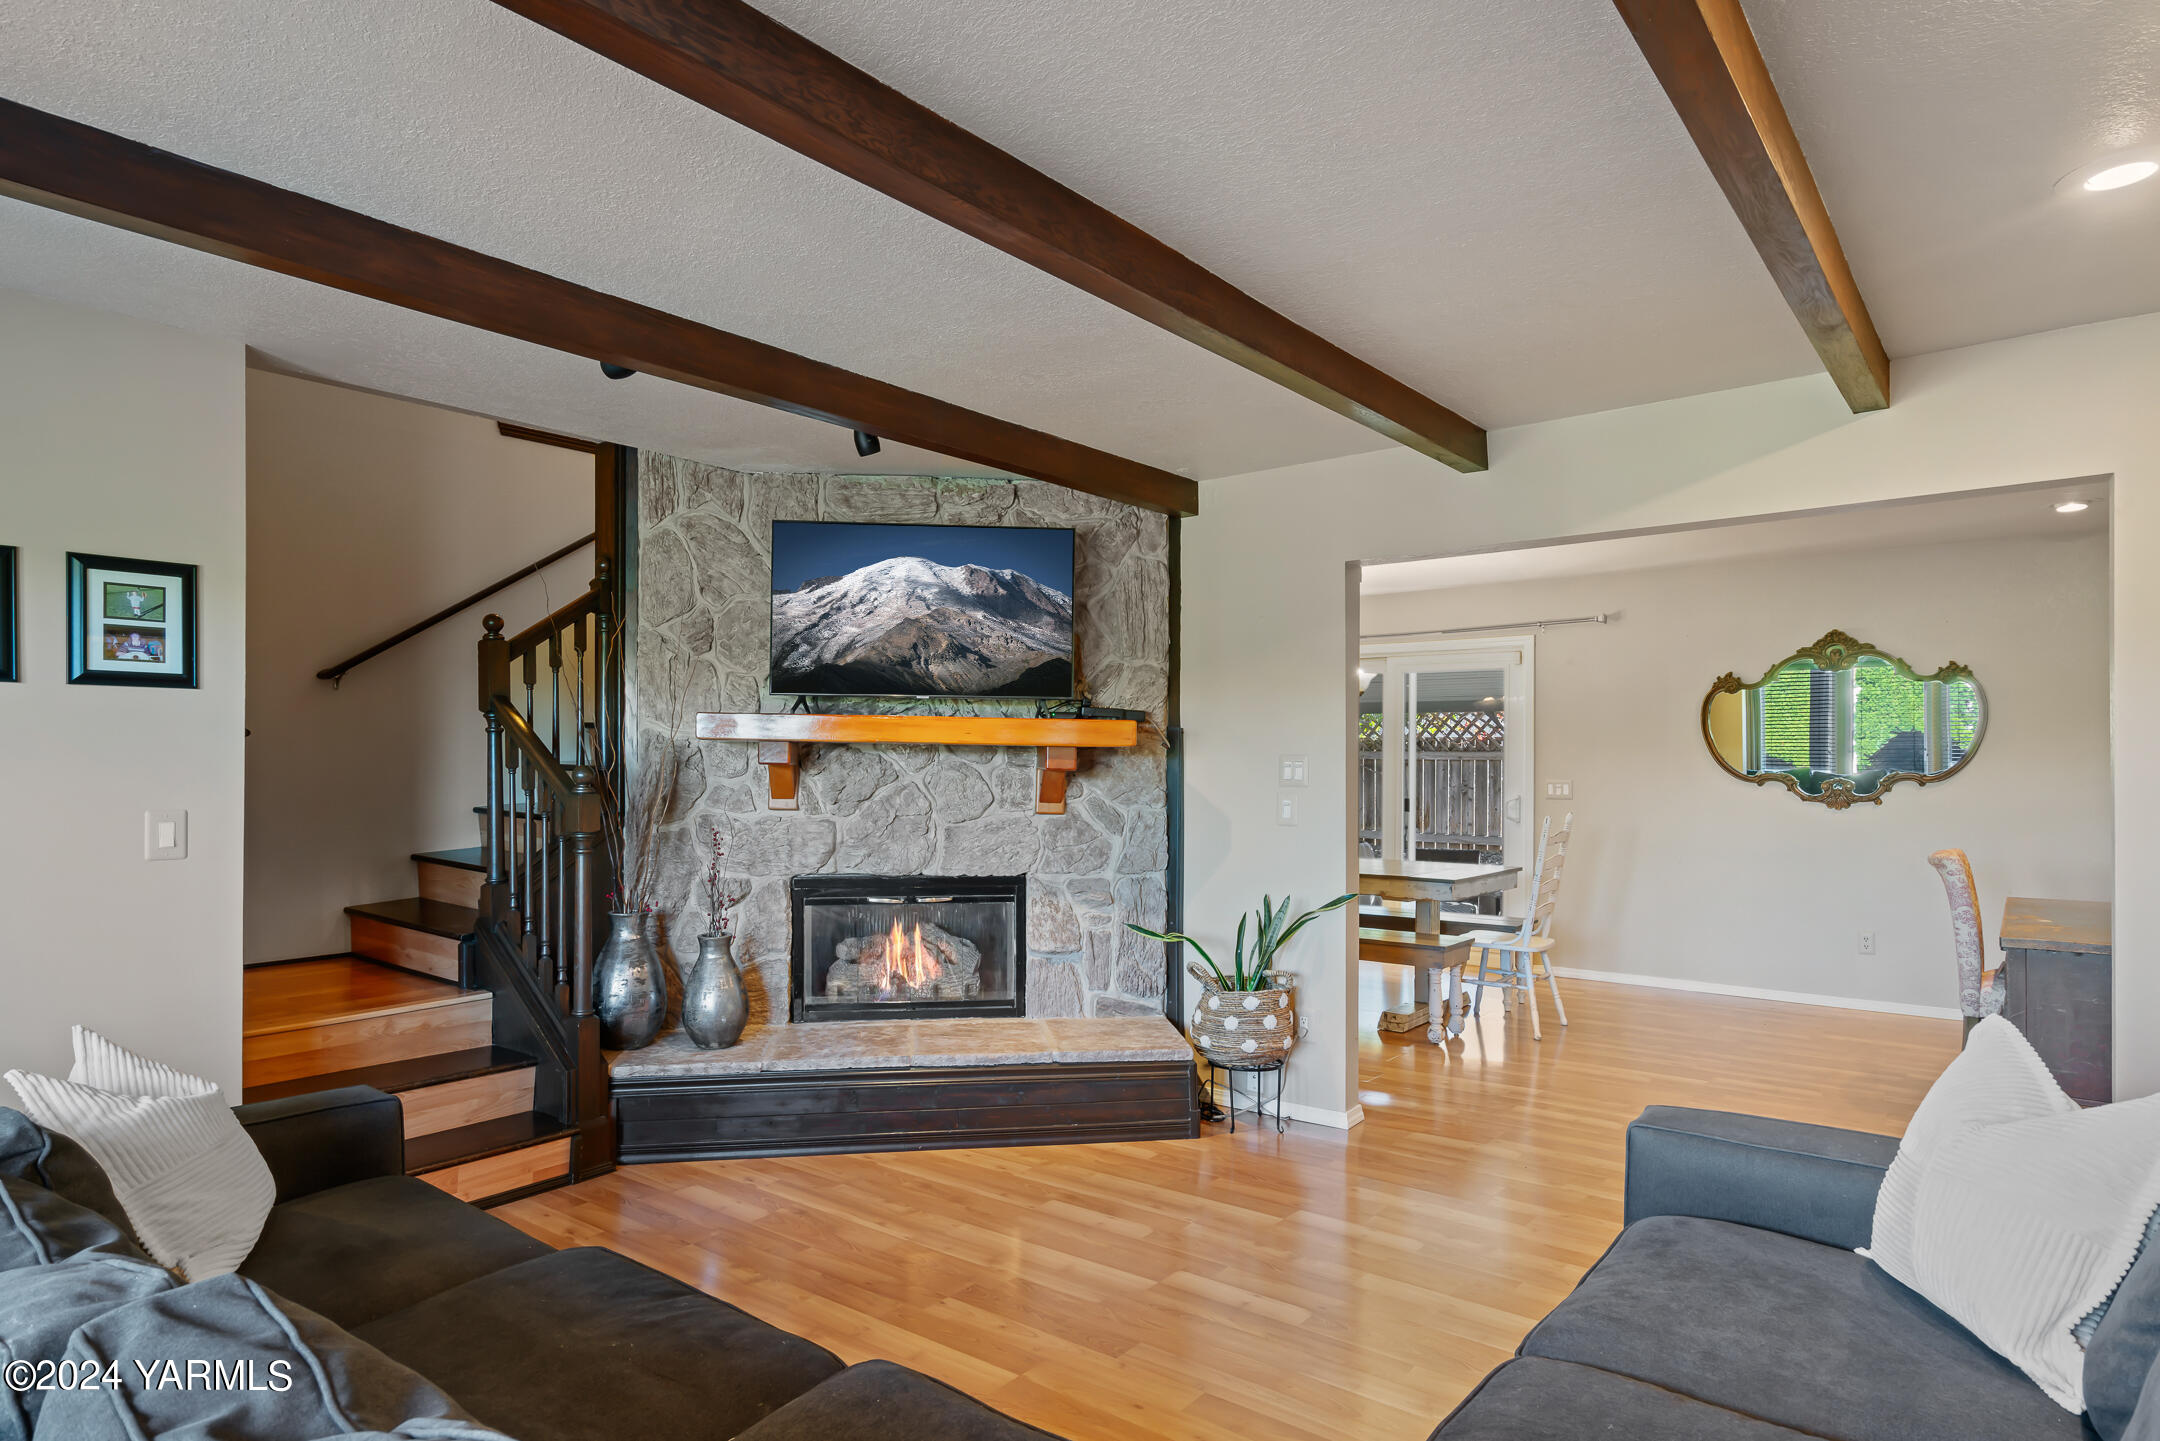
column 2059, row 989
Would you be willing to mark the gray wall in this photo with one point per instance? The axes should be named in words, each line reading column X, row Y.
column 124, row 439
column 366, row 513
column 704, row 597
column 1680, row 873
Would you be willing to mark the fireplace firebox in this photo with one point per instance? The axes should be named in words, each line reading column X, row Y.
column 872, row 947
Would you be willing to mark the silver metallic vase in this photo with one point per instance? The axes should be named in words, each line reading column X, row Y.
column 714, row 1004
column 629, row 991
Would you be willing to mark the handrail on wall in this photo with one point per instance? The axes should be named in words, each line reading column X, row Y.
column 336, row 673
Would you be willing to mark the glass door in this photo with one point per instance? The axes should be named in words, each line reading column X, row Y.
column 1444, row 754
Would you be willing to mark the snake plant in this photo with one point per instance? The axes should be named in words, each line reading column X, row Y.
column 1250, row 970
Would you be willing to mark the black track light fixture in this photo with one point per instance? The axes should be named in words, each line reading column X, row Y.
column 865, row 443
column 616, row 372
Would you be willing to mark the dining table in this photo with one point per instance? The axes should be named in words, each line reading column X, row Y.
column 1428, row 884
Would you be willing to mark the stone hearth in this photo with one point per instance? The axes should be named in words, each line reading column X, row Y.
column 907, row 1086
column 861, row 1045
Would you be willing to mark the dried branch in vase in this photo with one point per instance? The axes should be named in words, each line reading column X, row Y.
column 717, row 899
column 652, row 795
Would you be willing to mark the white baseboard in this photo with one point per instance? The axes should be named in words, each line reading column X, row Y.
column 1757, row 993
column 1298, row 1111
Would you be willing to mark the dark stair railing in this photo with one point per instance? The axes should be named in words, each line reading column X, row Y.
column 554, row 757
column 543, row 909
column 335, row 674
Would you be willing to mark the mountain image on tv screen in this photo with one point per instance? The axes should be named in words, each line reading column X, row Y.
column 919, row 610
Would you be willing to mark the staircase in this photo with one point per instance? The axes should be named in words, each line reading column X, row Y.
column 402, row 1013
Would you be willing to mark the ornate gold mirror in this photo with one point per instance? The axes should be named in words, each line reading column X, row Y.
column 1840, row 722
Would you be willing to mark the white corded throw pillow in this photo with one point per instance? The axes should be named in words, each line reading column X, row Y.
column 2014, row 1209
column 195, row 1189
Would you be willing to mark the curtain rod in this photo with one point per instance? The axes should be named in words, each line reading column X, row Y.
column 1598, row 619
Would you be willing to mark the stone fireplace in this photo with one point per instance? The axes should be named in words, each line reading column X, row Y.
column 876, row 947
column 701, row 632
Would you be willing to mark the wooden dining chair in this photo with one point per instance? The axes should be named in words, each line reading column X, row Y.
column 1516, row 949
column 1980, row 991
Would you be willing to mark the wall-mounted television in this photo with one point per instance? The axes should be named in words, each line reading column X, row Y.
column 861, row 609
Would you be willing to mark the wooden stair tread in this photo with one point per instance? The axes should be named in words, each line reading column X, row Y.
column 483, row 1138
column 301, row 994
column 469, row 859
column 415, row 913
column 396, row 1076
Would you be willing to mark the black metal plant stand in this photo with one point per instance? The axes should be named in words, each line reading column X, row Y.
column 1255, row 1070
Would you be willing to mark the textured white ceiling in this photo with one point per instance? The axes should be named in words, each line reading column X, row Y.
column 1937, row 130
column 2027, row 513
column 1492, row 200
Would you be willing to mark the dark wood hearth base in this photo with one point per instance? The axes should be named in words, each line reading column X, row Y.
column 780, row 1113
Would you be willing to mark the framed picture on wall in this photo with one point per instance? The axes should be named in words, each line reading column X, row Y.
column 10, row 644
column 130, row 622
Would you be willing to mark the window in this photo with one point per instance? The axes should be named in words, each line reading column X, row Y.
column 1868, row 717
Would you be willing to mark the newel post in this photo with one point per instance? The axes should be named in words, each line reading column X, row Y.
column 586, row 871
column 494, row 681
column 589, row 878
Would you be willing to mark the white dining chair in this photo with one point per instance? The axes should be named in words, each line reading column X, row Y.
column 1517, row 948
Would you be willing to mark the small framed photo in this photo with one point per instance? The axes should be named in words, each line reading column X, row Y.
column 130, row 622
column 10, row 641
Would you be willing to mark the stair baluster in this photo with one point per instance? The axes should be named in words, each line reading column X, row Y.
column 544, row 960
column 559, row 912
column 492, row 645
column 531, row 658
column 554, row 647
column 578, row 643
column 514, row 888
column 525, row 848
column 607, row 758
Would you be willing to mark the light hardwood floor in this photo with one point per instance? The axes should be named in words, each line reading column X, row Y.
column 1254, row 1287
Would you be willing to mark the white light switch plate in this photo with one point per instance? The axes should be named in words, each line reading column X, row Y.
column 1292, row 771
column 164, row 835
column 1559, row 790
column 1285, row 809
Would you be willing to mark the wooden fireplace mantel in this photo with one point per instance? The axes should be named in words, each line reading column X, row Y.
column 781, row 739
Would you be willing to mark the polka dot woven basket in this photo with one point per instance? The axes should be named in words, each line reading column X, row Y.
column 1244, row 1027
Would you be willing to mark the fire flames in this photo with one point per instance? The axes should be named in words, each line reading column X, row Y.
column 908, row 967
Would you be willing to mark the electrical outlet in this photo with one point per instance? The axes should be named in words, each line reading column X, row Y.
column 164, row 835
column 1867, row 943
column 1285, row 809
column 1559, row 790
column 1292, row 771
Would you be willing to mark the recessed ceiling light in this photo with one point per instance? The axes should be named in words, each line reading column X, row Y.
column 2115, row 177
column 2070, row 507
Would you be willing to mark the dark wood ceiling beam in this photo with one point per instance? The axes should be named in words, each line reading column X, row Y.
column 733, row 59
column 84, row 171
column 1705, row 56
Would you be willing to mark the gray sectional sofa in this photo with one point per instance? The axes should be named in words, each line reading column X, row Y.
column 1731, row 1308
column 398, row 1310
column 549, row 1345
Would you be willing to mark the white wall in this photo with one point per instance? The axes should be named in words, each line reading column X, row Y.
column 1267, row 653
column 366, row 514
column 124, row 439
column 1681, row 872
